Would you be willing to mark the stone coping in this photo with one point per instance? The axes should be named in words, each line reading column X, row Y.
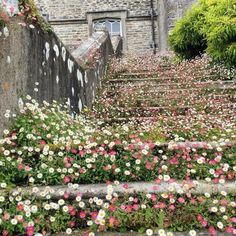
column 91, row 190
column 138, row 234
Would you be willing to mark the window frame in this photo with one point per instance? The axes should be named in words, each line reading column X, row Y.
column 112, row 14
column 111, row 21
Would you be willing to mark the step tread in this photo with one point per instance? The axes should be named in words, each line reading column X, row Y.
column 88, row 190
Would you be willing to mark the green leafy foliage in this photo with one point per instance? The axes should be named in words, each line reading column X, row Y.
column 32, row 15
column 4, row 18
column 210, row 26
column 186, row 38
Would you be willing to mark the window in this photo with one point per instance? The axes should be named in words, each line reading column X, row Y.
column 113, row 26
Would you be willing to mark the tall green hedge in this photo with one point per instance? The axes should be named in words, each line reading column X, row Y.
column 209, row 26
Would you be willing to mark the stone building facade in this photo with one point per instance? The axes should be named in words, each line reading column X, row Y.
column 143, row 24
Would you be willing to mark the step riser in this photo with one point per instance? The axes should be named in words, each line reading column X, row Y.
column 177, row 102
column 150, row 91
column 100, row 190
column 162, row 79
column 170, row 83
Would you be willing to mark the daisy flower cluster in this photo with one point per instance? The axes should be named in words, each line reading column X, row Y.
column 47, row 149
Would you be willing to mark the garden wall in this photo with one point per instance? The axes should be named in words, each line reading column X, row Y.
column 72, row 20
column 36, row 63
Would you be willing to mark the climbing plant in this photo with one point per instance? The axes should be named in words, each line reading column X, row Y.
column 29, row 10
column 3, row 17
column 209, row 26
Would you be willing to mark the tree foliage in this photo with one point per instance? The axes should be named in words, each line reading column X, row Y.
column 209, row 26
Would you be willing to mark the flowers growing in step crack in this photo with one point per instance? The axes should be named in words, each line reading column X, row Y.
column 23, row 213
column 46, row 146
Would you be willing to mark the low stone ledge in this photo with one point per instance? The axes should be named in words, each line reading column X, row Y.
column 90, row 190
column 92, row 46
column 138, row 234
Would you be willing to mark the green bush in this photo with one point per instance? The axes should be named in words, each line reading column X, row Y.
column 210, row 26
column 220, row 30
column 186, row 39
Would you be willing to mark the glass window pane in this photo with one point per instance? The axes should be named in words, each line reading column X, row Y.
column 113, row 25
column 116, row 27
column 108, row 26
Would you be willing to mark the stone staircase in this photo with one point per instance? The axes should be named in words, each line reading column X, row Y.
column 190, row 127
column 157, row 96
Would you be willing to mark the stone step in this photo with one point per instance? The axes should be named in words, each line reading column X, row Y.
column 120, row 80
column 181, row 101
column 177, row 107
column 231, row 117
column 207, row 96
column 100, row 190
column 150, row 92
column 162, row 70
column 168, row 110
column 185, row 95
column 171, row 85
column 139, row 234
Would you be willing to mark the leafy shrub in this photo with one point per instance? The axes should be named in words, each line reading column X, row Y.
column 210, row 26
column 186, row 39
column 220, row 30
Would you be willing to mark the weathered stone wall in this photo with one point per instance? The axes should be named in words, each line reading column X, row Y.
column 77, row 9
column 169, row 11
column 176, row 10
column 72, row 34
column 70, row 20
column 36, row 63
column 139, row 35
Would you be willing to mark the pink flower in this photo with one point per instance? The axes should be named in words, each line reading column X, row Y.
column 212, row 231
column 216, row 181
column 135, row 207
column 20, row 166
column 224, row 202
column 153, row 197
column 203, row 223
column 66, row 195
column 66, row 179
column 74, row 151
column 233, row 220
column 72, row 224
column 135, row 200
column 112, row 208
column 181, row 200
column 229, row 230
column 5, row 233
column 6, row 216
column 81, row 153
column 162, row 205
column 157, row 181
column 30, row 230
column 94, row 215
column 193, row 201
column 149, row 166
column 67, row 165
column 126, row 186
column 42, row 142
column 129, row 209
column 82, row 214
